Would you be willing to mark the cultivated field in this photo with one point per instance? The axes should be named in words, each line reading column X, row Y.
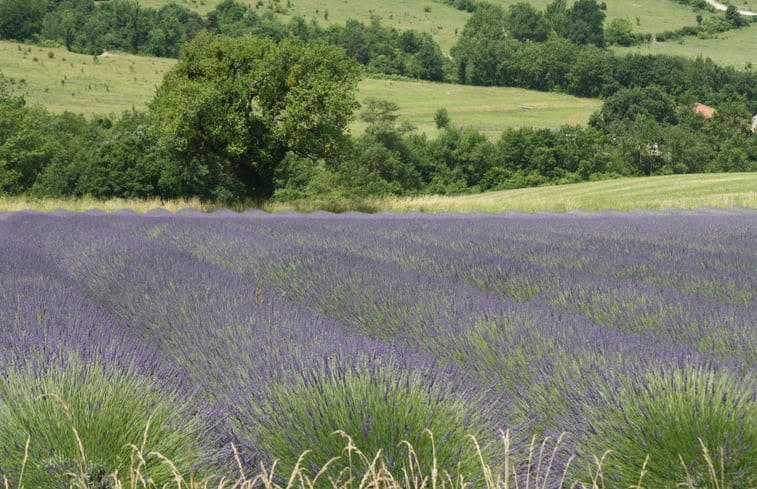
column 632, row 333
column 675, row 191
column 683, row 191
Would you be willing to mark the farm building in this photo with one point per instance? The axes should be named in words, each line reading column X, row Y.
column 705, row 110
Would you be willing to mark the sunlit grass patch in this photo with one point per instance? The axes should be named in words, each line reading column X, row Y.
column 732, row 48
column 488, row 109
column 684, row 191
column 79, row 83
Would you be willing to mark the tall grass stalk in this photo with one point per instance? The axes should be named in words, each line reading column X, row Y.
column 375, row 473
column 70, row 418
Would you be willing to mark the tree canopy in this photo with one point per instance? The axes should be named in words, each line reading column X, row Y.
column 231, row 110
column 21, row 19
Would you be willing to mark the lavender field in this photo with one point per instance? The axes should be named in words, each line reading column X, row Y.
column 631, row 332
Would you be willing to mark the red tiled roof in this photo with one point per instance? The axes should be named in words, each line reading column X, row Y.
column 705, row 110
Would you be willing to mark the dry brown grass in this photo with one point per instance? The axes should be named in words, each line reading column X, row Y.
column 11, row 204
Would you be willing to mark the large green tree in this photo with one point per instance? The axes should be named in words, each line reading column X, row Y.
column 231, row 110
column 586, row 20
column 628, row 104
column 481, row 45
column 527, row 23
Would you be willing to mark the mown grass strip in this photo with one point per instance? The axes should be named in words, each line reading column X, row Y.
column 684, row 191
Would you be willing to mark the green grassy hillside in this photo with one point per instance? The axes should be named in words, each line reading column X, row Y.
column 445, row 22
column 424, row 15
column 737, row 48
column 63, row 81
column 489, row 109
column 653, row 15
column 120, row 82
column 685, row 191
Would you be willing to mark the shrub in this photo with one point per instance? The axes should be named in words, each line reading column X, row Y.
column 378, row 404
column 666, row 415
column 109, row 409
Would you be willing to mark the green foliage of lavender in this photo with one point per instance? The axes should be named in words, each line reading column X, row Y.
column 110, row 409
column 378, row 405
column 678, row 413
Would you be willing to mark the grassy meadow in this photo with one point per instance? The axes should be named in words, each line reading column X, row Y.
column 718, row 190
column 118, row 82
column 684, row 191
column 445, row 22
column 442, row 21
column 733, row 48
column 653, row 15
column 94, row 86
column 488, row 109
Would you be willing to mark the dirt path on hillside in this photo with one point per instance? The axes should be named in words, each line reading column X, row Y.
column 721, row 6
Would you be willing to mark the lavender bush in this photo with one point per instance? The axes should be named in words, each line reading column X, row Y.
column 84, row 418
column 672, row 416
column 283, row 329
column 379, row 401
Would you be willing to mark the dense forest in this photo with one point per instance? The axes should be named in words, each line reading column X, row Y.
column 257, row 108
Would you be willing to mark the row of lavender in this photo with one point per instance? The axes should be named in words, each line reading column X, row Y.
column 632, row 332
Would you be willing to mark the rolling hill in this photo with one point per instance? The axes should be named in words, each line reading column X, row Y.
column 733, row 48
column 94, row 86
column 116, row 82
column 443, row 21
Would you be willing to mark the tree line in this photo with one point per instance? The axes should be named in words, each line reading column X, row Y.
column 494, row 42
column 519, row 47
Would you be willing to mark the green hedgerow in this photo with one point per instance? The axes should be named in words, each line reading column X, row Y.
column 666, row 415
column 82, row 418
